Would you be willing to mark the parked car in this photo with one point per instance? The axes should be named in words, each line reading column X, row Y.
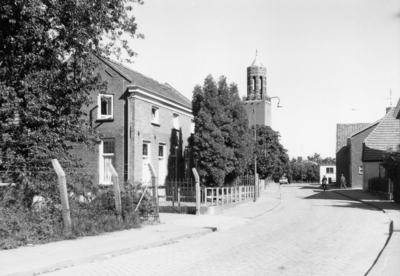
column 283, row 180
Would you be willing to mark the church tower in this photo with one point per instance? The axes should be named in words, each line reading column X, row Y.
column 257, row 103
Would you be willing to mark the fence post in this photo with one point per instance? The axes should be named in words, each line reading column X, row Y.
column 155, row 190
column 117, row 191
column 62, row 187
column 197, row 178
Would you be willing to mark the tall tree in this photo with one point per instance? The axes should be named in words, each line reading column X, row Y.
column 272, row 158
column 42, row 95
column 221, row 140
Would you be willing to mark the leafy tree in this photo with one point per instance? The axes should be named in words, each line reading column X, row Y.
column 221, row 140
column 42, row 95
column 272, row 158
column 391, row 163
column 315, row 158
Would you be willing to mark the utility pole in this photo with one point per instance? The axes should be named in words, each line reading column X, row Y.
column 255, row 155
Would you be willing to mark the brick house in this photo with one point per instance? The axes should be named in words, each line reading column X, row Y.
column 343, row 142
column 385, row 136
column 356, row 140
column 141, row 121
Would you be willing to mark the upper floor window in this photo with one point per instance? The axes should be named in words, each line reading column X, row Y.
column 154, row 115
column 161, row 151
column 145, row 151
column 329, row 170
column 175, row 121
column 192, row 127
column 105, row 106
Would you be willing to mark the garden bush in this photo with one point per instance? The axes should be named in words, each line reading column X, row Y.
column 92, row 212
column 379, row 184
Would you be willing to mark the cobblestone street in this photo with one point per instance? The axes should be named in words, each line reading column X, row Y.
column 313, row 233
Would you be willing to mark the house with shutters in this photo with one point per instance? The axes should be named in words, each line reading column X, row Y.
column 141, row 121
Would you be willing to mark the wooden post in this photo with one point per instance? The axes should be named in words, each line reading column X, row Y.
column 197, row 178
column 117, row 191
column 155, row 190
column 62, row 187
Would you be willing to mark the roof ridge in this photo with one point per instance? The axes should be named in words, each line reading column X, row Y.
column 159, row 83
column 127, row 68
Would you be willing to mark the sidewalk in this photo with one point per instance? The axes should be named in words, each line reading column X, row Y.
column 173, row 227
column 388, row 262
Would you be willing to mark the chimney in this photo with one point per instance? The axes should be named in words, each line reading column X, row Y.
column 387, row 109
column 299, row 159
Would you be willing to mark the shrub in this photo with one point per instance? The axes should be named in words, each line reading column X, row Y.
column 379, row 184
column 21, row 224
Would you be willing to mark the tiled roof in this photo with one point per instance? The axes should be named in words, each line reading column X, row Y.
column 344, row 131
column 397, row 110
column 365, row 128
column 386, row 135
column 164, row 90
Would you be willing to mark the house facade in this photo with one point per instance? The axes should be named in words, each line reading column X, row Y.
column 385, row 136
column 329, row 171
column 356, row 171
column 141, row 121
column 343, row 148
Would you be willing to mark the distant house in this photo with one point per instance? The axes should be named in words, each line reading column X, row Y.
column 329, row 171
column 385, row 136
column 141, row 121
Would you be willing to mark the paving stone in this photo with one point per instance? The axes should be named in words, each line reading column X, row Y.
column 314, row 233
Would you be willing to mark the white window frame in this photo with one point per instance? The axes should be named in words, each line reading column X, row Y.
column 155, row 118
column 175, row 121
column 102, row 157
column 148, row 145
column 163, row 148
column 192, row 126
column 105, row 116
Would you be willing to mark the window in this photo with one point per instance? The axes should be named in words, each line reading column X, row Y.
column 105, row 106
column 107, row 155
column 154, row 115
column 360, row 169
column 145, row 151
column 329, row 170
column 192, row 127
column 160, row 151
column 176, row 121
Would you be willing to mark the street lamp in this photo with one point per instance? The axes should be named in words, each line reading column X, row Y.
column 279, row 100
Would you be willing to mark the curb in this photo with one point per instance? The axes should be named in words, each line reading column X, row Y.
column 276, row 207
column 359, row 200
column 390, row 229
column 107, row 255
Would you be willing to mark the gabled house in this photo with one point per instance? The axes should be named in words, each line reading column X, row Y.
column 343, row 141
column 141, row 121
column 385, row 136
column 356, row 170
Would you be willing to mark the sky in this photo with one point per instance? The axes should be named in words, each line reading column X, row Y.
column 329, row 62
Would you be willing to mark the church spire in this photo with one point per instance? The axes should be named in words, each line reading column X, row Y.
column 256, row 62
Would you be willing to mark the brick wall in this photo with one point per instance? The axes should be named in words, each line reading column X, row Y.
column 356, row 179
column 144, row 131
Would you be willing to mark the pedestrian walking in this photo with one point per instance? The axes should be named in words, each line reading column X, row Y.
column 343, row 182
column 324, row 180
